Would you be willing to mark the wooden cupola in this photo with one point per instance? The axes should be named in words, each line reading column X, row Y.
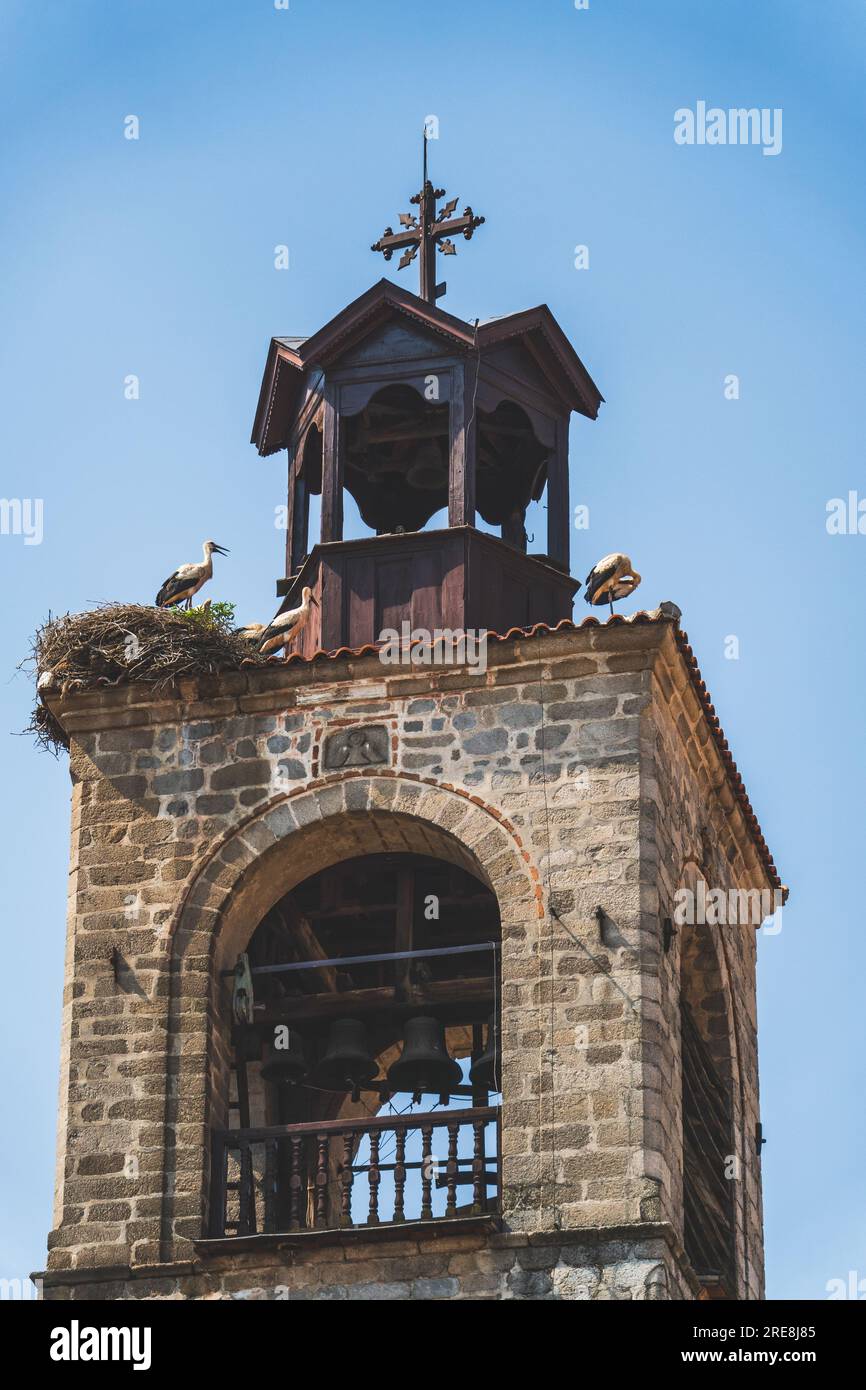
column 412, row 410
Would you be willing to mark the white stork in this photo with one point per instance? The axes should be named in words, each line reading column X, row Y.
column 188, row 579
column 287, row 625
column 251, row 633
column 612, row 578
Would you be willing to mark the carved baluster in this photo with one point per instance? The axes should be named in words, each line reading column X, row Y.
column 451, row 1169
column 375, row 1178
column 347, row 1177
column 426, row 1171
column 271, row 1165
column 295, row 1184
column 400, row 1176
column 322, row 1181
column 479, row 1183
column 252, row 1215
column 245, row 1182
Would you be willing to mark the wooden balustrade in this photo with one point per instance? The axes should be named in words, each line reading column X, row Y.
column 288, row 1178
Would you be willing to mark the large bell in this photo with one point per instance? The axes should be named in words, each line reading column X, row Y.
column 485, row 1074
column 284, row 1058
column 347, row 1062
column 428, row 470
column 424, row 1064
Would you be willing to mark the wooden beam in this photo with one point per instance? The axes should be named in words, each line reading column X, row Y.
column 367, row 911
column 468, row 995
column 306, row 944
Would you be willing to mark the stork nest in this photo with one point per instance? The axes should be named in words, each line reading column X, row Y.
column 119, row 643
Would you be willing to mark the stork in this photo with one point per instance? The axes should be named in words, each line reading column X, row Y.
column 251, row 633
column 188, row 579
column 612, row 578
column 287, row 625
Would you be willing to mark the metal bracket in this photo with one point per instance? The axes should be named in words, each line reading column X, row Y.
column 242, row 990
column 601, row 917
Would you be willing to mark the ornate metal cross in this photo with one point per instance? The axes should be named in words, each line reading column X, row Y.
column 425, row 232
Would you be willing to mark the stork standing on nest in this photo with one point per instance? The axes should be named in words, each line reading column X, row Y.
column 287, row 625
column 612, row 578
column 186, row 581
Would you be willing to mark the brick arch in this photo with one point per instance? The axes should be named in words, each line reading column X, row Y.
column 250, row 869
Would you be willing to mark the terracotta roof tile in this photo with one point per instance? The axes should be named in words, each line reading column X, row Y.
column 735, row 780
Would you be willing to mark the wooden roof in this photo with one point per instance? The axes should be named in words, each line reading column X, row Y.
column 289, row 359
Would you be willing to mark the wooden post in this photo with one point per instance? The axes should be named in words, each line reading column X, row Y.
column 332, row 468
column 290, row 512
column 299, row 517
column 404, row 934
column 464, row 431
column 218, row 1186
column 558, row 506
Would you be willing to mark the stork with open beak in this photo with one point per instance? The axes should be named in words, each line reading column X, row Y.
column 612, row 578
column 186, row 581
column 287, row 625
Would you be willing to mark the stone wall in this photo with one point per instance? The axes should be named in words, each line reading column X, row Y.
column 560, row 776
column 691, row 830
column 494, row 1267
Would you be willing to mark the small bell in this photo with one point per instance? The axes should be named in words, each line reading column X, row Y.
column 347, row 1063
column 485, row 1074
column 424, row 1064
column 284, row 1059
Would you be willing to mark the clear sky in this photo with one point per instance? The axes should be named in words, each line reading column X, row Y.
column 155, row 258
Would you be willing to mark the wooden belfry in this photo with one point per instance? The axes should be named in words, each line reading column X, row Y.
column 414, row 411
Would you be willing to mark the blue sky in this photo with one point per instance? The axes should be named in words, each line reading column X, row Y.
column 155, row 257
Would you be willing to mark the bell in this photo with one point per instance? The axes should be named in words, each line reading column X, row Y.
column 347, row 1062
column 286, row 1064
column 424, row 1064
column 428, row 470
column 485, row 1074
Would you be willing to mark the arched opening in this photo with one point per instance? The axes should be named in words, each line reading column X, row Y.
column 710, row 1159
column 511, row 476
column 282, row 844
column 377, row 959
column 395, row 459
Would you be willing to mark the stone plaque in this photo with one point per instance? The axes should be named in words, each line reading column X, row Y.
column 356, row 747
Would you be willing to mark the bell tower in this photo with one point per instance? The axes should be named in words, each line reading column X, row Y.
column 378, row 985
